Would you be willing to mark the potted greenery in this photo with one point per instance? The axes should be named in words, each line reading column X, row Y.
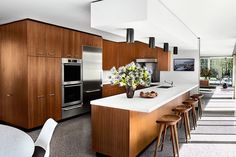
column 206, row 73
column 130, row 76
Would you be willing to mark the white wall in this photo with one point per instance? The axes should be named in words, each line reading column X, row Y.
column 183, row 76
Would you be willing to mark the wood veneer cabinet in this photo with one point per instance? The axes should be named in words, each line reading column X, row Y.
column 44, row 39
column 126, row 53
column 30, row 69
column 37, row 90
column 30, row 85
column 36, row 38
column 13, row 68
column 90, row 40
column 126, row 133
column 53, row 86
column 142, row 50
column 109, row 90
column 54, row 41
column 44, row 89
column 164, row 59
column 109, row 54
column 120, row 53
column 71, row 44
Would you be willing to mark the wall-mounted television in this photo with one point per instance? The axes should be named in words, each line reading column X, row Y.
column 183, row 64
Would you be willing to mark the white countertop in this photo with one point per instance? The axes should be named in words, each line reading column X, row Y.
column 141, row 104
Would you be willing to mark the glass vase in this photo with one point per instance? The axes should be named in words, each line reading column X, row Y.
column 130, row 92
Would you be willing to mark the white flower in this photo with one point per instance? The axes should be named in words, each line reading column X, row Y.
column 130, row 75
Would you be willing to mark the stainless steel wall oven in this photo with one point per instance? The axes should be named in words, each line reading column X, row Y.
column 71, row 94
column 72, row 87
column 71, row 71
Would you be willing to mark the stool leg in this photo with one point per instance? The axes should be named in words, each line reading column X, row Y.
column 191, row 116
column 200, row 108
column 181, row 121
column 173, row 139
column 194, row 117
column 163, row 137
column 188, row 125
column 185, row 127
column 158, row 138
column 176, row 139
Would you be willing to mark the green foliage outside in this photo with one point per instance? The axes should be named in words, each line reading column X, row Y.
column 216, row 67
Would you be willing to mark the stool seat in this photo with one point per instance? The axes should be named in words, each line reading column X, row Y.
column 190, row 101
column 169, row 119
column 182, row 108
column 198, row 96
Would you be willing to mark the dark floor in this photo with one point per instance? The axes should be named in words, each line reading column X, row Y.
column 72, row 138
column 214, row 136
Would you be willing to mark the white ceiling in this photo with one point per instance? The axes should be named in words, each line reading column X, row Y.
column 68, row 13
column 148, row 18
column 213, row 20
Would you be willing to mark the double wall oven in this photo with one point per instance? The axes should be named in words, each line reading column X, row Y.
column 72, row 87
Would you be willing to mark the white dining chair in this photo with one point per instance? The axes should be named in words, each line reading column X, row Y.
column 45, row 136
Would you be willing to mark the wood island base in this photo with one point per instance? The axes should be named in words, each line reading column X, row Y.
column 125, row 133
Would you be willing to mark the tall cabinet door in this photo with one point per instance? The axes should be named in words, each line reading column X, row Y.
column 37, row 91
column 13, row 76
column 53, row 81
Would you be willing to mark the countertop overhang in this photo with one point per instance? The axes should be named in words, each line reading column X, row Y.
column 146, row 105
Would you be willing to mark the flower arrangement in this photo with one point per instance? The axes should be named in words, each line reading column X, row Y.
column 130, row 76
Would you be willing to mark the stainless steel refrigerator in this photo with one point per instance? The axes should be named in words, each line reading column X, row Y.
column 92, row 74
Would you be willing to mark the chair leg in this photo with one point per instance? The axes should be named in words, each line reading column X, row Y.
column 158, row 138
column 173, row 139
column 176, row 139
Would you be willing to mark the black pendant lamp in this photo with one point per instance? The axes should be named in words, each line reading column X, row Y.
column 166, row 47
column 130, row 35
column 152, row 42
column 175, row 50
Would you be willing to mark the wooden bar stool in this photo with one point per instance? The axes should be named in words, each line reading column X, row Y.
column 183, row 110
column 192, row 103
column 165, row 122
column 199, row 98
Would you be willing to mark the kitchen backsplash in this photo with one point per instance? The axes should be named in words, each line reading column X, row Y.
column 105, row 79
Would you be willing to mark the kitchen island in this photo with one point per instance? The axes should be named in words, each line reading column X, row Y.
column 123, row 127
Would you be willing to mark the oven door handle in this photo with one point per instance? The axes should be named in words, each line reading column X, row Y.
column 72, row 64
column 92, row 91
column 72, row 107
column 76, row 85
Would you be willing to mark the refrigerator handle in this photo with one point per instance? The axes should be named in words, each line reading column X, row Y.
column 101, row 76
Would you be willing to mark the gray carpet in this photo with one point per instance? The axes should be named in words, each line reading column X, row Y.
column 214, row 136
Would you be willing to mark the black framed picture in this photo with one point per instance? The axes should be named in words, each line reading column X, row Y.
column 184, row 64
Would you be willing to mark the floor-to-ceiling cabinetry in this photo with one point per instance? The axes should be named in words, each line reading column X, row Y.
column 30, row 66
